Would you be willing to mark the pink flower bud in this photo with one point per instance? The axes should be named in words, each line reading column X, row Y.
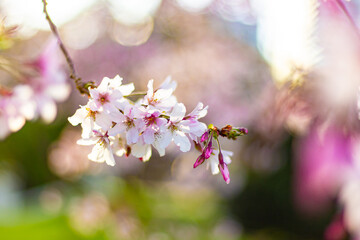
column 208, row 150
column 224, row 172
column 199, row 160
column 224, row 169
column 243, row 131
column 205, row 136
column 221, row 158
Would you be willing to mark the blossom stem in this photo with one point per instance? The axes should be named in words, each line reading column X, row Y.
column 218, row 143
column 164, row 116
column 79, row 85
column 136, row 94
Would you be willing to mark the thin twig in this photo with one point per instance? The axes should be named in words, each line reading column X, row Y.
column 79, row 85
column 136, row 94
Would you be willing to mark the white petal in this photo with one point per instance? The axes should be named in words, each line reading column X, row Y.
column 199, row 111
column 181, row 140
column 147, row 154
column 104, row 120
column 115, row 82
column 193, row 126
column 161, row 94
column 162, row 140
column 97, row 153
column 116, row 116
column 213, row 162
column 103, row 87
column 168, row 84
column 227, row 155
column 178, row 112
column 58, row 92
column 132, row 135
column 48, row 110
column 88, row 141
column 79, row 116
column 161, row 150
column 127, row 89
column 94, row 93
column 167, row 104
column 23, row 91
column 87, row 127
column 108, row 156
column 28, row 109
column 4, row 130
column 118, row 146
column 24, row 99
column 150, row 91
column 118, row 128
column 122, row 103
column 16, row 123
column 148, row 135
column 139, row 149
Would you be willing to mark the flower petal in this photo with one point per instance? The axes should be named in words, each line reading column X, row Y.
column 177, row 113
column 132, row 135
column 181, row 140
column 127, row 89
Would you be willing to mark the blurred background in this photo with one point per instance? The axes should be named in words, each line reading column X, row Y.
column 288, row 70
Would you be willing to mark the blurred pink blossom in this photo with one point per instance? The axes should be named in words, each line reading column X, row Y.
column 49, row 83
column 324, row 157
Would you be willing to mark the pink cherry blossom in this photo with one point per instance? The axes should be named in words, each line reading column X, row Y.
column 50, row 85
column 15, row 108
column 129, row 122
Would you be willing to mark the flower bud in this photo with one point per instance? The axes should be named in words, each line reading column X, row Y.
column 205, row 136
column 242, row 131
column 208, row 150
column 224, row 171
column 199, row 160
column 225, row 130
column 221, row 158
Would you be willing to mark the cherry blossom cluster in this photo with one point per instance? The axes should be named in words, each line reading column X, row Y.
column 42, row 83
column 116, row 125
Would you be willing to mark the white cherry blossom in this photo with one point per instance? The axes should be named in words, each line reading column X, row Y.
column 196, row 128
column 113, row 123
column 162, row 97
column 101, row 151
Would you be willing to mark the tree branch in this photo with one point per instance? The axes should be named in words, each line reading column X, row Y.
column 79, row 85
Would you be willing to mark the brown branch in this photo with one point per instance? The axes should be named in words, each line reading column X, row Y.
column 79, row 85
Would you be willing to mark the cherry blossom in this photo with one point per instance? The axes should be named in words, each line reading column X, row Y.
column 49, row 84
column 101, row 151
column 43, row 83
column 162, row 97
column 15, row 108
column 113, row 123
column 130, row 122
